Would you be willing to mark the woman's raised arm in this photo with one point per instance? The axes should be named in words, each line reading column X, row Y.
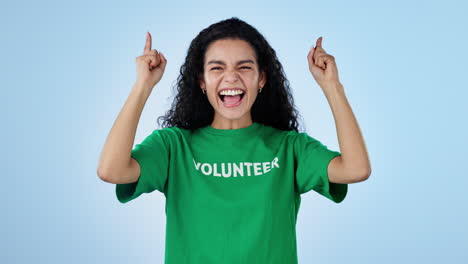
column 115, row 164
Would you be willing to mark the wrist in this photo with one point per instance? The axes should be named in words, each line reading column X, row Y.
column 141, row 86
column 332, row 87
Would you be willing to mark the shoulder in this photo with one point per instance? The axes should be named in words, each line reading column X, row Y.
column 302, row 142
column 279, row 136
column 300, row 138
column 169, row 134
column 170, row 131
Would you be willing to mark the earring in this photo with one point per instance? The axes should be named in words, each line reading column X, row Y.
column 203, row 91
column 260, row 90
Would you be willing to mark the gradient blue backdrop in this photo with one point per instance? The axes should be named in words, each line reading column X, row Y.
column 67, row 69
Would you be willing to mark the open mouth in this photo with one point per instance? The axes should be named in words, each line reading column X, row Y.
column 231, row 100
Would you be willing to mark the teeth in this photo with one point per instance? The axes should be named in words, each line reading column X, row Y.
column 231, row 92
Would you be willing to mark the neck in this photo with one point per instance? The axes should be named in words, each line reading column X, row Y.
column 222, row 123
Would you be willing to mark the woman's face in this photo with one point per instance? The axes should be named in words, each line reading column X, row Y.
column 231, row 64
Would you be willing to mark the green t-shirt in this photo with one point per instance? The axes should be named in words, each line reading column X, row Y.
column 232, row 195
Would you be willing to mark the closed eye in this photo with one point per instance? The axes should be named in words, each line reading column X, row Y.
column 246, row 67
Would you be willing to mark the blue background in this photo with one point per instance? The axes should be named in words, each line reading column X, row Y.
column 67, row 69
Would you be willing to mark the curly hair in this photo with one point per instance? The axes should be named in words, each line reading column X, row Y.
column 191, row 108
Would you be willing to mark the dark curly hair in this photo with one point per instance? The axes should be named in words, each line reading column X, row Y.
column 191, row 108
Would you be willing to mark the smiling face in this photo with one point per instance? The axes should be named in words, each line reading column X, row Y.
column 232, row 65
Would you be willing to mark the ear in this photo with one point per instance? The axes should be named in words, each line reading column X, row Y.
column 202, row 83
column 262, row 80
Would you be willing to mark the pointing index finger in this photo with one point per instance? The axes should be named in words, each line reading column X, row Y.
column 319, row 42
column 148, row 43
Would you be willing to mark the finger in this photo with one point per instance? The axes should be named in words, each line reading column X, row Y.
column 313, row 67
column 310, row 55
column 320, row 62
column 155, row 59
column 318, row 54
column 320, row 51
column 329, row 59
column 319, row 42
column 148, row 61
column 316, row 69
column 148, row 43
column 151, row 59
column 324, row 61
column 313, row 56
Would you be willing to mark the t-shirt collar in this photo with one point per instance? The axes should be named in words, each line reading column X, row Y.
column 252, row 129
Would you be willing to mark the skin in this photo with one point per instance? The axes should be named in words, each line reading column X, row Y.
column 322, row 66
column 230, row 74
column 353, row 165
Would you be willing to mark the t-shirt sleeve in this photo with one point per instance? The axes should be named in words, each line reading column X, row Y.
column 312, row 159
column 153, row 156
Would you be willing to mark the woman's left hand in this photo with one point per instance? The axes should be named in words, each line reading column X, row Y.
column 322, row 66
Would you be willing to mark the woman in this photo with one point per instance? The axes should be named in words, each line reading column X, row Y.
column 229, row 158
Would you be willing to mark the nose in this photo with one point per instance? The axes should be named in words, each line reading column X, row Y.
column 231, row 76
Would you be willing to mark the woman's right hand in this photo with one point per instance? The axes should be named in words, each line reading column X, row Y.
column 150, row 65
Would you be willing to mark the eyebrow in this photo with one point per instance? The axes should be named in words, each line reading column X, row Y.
column 223, row 63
